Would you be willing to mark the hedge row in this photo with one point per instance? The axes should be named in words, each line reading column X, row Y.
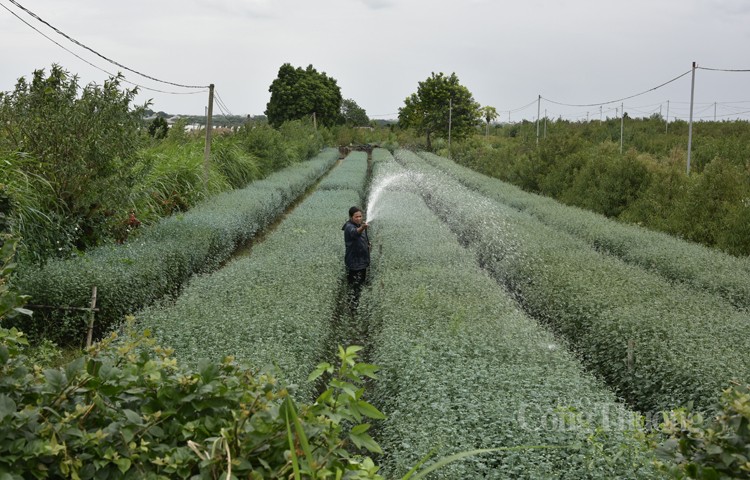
column 676, row 259
column 348, row 174
column 659, row 345
column 273, row 307
column 462, row 368
column 164, row 257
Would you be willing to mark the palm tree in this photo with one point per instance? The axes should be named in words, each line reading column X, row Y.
column 489, row 114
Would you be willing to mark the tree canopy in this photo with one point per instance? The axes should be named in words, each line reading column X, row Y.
column 489, row 114
column 78, row 143
column 352, row 114
column 298, row 93
column 440, row 101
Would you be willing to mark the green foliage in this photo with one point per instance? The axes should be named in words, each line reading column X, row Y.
column 670, row 257
column 298, row 93
column 11, row 301
column 163, row 257
column 350, row 175
column 579, row 164
column 128, row 409
column 273, row 306
column 158, row 128
column 630, row 326
column 293, row 142
column 715, row 450
column 428, row 110
column 463, row 369
column 352, row 114
column 488, row 114
column 83, row 142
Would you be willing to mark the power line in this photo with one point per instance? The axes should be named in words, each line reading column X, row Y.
column 619, row 99
column 518, row 109
column 723, row 69
column 122, row 77
column 14, row 2
column 222, row 106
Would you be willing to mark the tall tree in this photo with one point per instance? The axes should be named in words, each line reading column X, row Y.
column 439, row 103
column 353, row 114
column 298, row 93
column 489, row 114
column 83, row 143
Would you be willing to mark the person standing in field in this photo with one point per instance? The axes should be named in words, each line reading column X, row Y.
column 357, row 256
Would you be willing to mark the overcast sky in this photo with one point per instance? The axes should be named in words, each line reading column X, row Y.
column 506, row 53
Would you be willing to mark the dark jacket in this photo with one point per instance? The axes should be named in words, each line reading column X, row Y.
column 357, row 255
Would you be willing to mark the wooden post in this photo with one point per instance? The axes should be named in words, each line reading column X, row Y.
column 91, row 317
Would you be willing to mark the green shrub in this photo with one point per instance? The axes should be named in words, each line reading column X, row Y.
column 652, row 341
column 349, row 175
column 131, row 410
column 274, row 306
column 462, row 368
column 163, row 257
column 79, row 145
column 717, row 449
column 673, row 258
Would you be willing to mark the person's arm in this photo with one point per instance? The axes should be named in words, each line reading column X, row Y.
column 362, row 228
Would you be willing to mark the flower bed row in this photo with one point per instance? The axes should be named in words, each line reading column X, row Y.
column 676, row 259
column 659, row 345
column 164, row 257
column 348, row 174
column 462, row 368
column 274, row 306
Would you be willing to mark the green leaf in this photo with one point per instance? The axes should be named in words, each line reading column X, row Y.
column 74, row 367
column 321, row 368
column 363, row 440
column 288, row 410
column 361, row 428
column 123, row 464
column 54, row 378
column 369, row 410
column 7, row 406
column 133, row 417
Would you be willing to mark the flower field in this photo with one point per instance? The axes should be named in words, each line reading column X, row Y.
column 273, row 307
column 464, row 368
column 507, row 334
column 164, row 257
column 658, row 344
column 677, row 260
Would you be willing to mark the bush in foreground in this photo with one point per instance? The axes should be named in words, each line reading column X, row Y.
column 129, row 410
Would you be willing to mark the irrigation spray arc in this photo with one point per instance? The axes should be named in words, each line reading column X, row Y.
column 377, row 191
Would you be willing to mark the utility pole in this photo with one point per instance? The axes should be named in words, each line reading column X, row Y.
column 545, row 123
column 690, row 125
column 714, row 111
column 207, row 149
column 666, row 125
column 622, row 124
column 600, row 113
column 538, row 114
